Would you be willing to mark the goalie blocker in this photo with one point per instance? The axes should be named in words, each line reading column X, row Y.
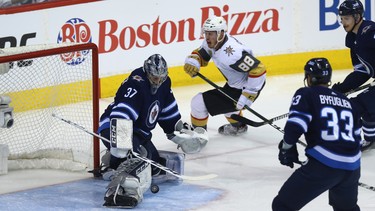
column 121, row 136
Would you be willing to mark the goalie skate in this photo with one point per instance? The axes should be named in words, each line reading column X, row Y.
column 231, row 130
column 119, row 200
column 130, row 180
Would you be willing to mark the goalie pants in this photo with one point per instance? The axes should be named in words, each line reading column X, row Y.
column 216, row 103
column 314, row 178
column 138, row 140
column 364, row 103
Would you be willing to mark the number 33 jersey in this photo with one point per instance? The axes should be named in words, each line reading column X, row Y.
column 330, row 124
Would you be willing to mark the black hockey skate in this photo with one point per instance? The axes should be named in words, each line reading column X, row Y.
column 232, row 129
column 367, row 145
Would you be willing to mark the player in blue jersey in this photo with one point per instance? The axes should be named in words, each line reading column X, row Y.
column 360, row 38
column 144, row 99
column 332, row 131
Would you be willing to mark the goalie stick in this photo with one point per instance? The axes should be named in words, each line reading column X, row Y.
column 174, row 173
column 282, row 116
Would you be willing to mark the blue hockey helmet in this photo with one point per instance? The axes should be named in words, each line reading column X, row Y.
column 319, row 70
column 351, row 7
column 156, row 70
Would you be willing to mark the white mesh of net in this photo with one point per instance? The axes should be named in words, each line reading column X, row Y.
column 38, row 87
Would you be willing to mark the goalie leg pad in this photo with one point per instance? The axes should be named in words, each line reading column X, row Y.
column 126, row 194
column 131, row 180
column 174, row 161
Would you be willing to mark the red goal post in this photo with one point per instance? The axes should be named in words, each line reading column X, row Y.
column 48, row 79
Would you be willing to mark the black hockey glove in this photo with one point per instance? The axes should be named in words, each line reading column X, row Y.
column 337, row 87
column 288, row 157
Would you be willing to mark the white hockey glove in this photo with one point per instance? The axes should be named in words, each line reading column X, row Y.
column 192, row 65
column 246, row 99
column 191, row 141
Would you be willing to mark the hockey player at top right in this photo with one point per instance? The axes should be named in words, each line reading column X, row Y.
column 360, row 39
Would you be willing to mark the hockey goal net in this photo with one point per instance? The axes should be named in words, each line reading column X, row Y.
column 42, row 80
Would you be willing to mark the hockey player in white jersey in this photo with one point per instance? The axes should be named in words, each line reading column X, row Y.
column 245, row 76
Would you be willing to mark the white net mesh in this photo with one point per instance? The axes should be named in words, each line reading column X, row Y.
column 50, row 82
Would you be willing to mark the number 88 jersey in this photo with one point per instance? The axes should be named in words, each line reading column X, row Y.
column 237, row 64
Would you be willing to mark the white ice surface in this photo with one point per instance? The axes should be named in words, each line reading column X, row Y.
column 249, row 173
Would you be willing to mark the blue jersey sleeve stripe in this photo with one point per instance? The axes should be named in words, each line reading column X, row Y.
column 298, row 113
column 126, row 107
column 103, row 121
column 335, row 160
column 122, row 115
column 299, row 122
column 169, row 107
column 171, row 116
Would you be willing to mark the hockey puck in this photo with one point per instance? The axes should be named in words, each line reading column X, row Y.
column 154, row 188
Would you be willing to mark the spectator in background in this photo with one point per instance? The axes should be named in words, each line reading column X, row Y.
column 10, row 3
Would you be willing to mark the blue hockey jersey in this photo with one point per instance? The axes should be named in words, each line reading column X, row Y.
column 134, row 101
column 330, row 126
column 362, row 51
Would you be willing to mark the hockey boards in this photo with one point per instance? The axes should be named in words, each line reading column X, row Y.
column 170, row 171
column 257, row 124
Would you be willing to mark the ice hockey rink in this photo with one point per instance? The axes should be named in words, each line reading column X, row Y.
column 249, row 173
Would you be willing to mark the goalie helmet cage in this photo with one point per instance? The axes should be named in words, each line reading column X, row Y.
column 48, row 79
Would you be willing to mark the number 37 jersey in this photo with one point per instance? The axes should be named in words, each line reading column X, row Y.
column 330, row 125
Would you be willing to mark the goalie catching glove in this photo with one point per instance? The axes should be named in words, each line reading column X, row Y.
column 190, row 141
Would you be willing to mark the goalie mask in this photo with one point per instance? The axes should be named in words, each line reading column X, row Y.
column 157, row 71
column 319, row 70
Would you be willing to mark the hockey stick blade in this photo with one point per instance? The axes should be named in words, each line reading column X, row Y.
column 170, row 171
column 257, row 124
column 368, row 187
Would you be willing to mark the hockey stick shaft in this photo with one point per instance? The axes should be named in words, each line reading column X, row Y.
column 247, row 107
column 243, row 119
column 258, row 124
column 360, row 88
column 174, row 173
column 231, row 98
column 369, row 187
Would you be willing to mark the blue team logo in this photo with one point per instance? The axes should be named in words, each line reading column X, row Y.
column 75, row 30
column 153, row 114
